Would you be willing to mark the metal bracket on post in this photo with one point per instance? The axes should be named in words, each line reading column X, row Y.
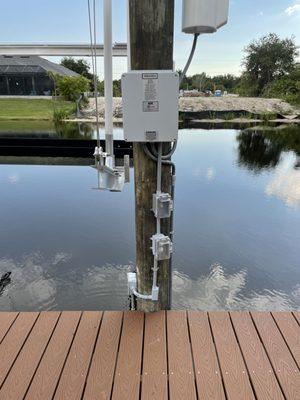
column 110, row 177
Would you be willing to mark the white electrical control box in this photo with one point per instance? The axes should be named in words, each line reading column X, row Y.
column 150, row 106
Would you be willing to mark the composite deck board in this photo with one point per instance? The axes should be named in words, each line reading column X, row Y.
column 234, row 372
column 75, row 370
column 181, row 370
column 101, row 375
column 166, row 356
column 207, row 371
column 13, row 342
column 19, row 377
column 128, row 371
column 290, row 330
column 155, row 370
column 47, row 375
column 297, row 316
column 261, row 373
column 283, row 363
column 6, row 320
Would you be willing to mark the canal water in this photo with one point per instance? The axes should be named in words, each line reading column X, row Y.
column 237, row 227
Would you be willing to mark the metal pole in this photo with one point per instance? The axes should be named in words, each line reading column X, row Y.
column 128, row 37
column 7, row 85
column 108, row 77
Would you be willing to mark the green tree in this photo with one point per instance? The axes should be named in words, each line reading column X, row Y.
column 81, row 66
column 117, row 92
column 226, row 82
column 268, row 59
column 287, row 87
column 201, row 82
column 101, row 88
column 72, row 87
column 186, row 83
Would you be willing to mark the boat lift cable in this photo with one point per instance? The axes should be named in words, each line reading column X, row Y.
column 93, row 42
column 183, row 74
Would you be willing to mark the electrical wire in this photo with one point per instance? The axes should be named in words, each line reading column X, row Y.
column 164, row 156
column 183, row 74
column 154, row 157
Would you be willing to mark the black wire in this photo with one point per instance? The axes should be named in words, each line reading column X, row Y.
column 189, row 59
column 164, row 156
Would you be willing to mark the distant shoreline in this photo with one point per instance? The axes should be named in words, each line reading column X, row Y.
column 231, row 109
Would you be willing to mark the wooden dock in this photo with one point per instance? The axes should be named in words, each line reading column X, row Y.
column 167, row 355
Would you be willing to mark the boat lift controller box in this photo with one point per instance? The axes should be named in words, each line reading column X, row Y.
column 150, row 106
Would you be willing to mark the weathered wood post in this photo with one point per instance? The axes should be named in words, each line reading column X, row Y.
column 151, row 41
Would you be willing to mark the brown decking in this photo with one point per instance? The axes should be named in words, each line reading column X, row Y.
column 174, row 355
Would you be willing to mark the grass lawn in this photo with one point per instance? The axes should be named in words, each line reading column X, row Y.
column 31, row 109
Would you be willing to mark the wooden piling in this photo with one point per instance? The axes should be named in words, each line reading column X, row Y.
column 151, row 42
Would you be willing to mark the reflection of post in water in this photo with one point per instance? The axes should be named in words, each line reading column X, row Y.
column 261, row 148
column 71, row 130
column 4, row 281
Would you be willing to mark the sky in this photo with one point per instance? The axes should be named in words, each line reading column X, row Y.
column 66, row 21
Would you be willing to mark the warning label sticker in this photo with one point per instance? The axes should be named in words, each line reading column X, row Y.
column 151, row 136
column 150, row 92
column 150, row 106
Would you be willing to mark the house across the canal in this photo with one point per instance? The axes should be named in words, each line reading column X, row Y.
column 28, row 75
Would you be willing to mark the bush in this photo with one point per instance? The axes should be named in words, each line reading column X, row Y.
column 60, row 114
column 267, row 116
column 293, row 98
column 72, row 87
column 247, row 87
column 287, row 87
column 62, row 110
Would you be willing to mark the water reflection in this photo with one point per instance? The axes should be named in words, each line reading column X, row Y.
column 47, row 129
column 260, row 149
column 43, row 284
column 221, row 291
column 38, row 285
column 69, row 247
column 69, row 130
column 31, row 285
column 286, row 183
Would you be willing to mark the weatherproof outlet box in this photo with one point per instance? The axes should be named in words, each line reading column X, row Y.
column 150, row 106
column 162, row 247
column 162, row 205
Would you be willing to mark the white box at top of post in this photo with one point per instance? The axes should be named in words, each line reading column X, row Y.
column 150, row 106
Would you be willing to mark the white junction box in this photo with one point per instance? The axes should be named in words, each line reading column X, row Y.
column 150, row 106
column 162, row 247
column 162, row 205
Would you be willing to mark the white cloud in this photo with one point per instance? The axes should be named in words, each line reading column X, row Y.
column 286, row 184
column 295, row 9
column 210, row 175
column 223, row 291
column 261, row 13
column 13, row 178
